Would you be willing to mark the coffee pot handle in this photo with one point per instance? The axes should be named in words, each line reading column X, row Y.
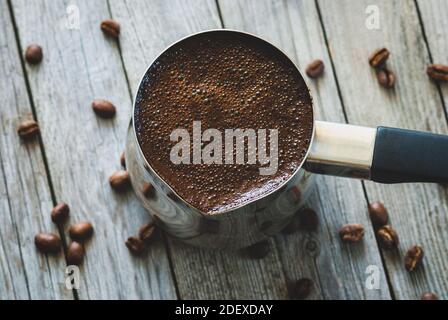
column 385, row 155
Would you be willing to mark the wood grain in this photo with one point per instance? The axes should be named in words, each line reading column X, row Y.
column 25, row 198
column 200, row 273
column 339, row 271
column 80, row 65
column 417, row 211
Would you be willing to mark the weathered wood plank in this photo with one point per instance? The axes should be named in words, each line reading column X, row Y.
column 417, row 211
column 200, row 274
column 81, row 65
column 25, row 198
column 338, row 270
column 433, row 15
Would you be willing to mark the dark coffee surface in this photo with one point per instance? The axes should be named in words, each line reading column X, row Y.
column 226, row 82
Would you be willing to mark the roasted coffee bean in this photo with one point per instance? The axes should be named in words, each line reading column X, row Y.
column 387, row 237
column 413, row 258
column 110, row 28
column 28, row 129
column 81, row 231
column 135, row 245
column 123, row 160
column 293, row 226
column 103, row 108
column 48, row 242
column 148, row 190
column 146, row 232
column 258, row 250
column 315, row 69
column 379, row 57
column 301, row 289
column 75, row 253
column 33, row 54
column 438, row 72
column 120, row 180
column 309, row 221
column 351, row 232
column 378, row 214
column 386, row 78
column 60, row 213
column 429, row 296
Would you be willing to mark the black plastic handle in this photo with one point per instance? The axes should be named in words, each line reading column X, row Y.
column 409, row 156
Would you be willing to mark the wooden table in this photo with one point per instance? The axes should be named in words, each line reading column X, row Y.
column 78, row 151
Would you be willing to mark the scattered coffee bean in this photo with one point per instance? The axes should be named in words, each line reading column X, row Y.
column 33, row 54
column 378, row 214
column 28, row 130
column 75, row 253
column 103, row 108
column 309, row 221
column 429, row 296
column 258, row 250
column 315, row 69
column 379, row 57
column 135, row 245
column 387, row 237
column 386, row 78
column 120, row 180
column 148, row 190
column 293, row 226
column 438, row 72
column 60, row 213
column 351, row 232
column 110, row 28
column 413, row 258
column 146, row 232
column 123, row 160
column 48, row 242
column 81, row 231
column 302, row 289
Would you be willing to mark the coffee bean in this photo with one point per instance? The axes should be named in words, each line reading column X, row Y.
column 379, row 57
column 302, row 289
column 120, row 180
column 293, row 226
column 429, row 296
column 103, row 108
column 413, row 258
column 148, row 190
column 28, row 130
column 135, row 245
column 386, row 78
column 146, row 232
column 81, row 231
column 123, row 160
column 309, row 221
column 258, row 250
column 75, row 253
column 378, row 214
column 438, row 72
column 33, row 54
column 110, row 28
column 351, row 232
column 387, row 237
column 315, row 69
column 48, row 242
column 60, row 213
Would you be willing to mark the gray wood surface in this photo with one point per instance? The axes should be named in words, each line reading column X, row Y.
column 200, row 273
column 417, row 211
column 83, row 150
column 337, row 270
column 25, row 198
